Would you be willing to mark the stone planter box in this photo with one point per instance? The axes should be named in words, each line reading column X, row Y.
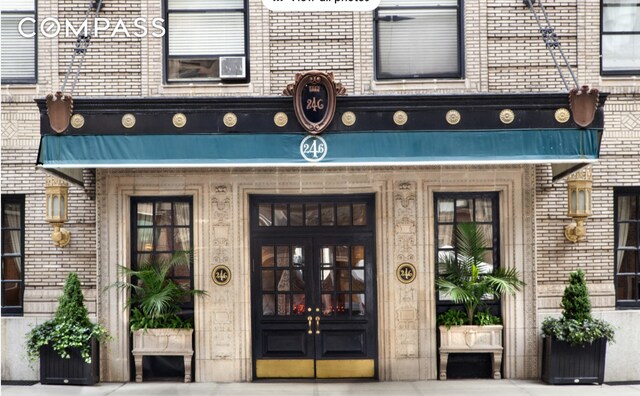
column 566, row 364
column 471, row 339
column 163, row 342
column 55, row 370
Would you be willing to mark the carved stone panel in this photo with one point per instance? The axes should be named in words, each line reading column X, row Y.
column 221, row 299
column 405, row 250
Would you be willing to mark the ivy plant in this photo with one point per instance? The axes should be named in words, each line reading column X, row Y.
column 69, row 328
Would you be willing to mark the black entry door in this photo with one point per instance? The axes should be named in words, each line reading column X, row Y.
column 313, row 288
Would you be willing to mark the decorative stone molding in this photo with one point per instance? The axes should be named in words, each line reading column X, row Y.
column 220, row 313
column 516, row 185
column 405, row 248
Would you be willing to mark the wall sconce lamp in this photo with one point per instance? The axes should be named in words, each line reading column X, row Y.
column 57, row 191
column 579, row 187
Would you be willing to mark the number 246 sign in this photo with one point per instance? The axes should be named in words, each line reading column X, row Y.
column 313, row 148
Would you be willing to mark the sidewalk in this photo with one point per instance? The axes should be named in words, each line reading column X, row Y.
column 436, row 388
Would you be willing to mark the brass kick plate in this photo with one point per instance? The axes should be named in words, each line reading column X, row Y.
column 281, row 368
column 361, row 368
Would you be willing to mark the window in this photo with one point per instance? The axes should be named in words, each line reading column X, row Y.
column 456, row 208
column 620, row 43
column 312, row 214
column 18, row 65
column 627, row 247
column 12, row 254
column 419, row 38
column 206, row 40
column 162, row 226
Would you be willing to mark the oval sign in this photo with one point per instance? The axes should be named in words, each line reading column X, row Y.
column 314, row 100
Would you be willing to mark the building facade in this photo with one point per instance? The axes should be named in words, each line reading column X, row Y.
column 372, row 213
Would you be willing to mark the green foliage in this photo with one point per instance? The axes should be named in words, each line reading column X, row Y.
column 486, row 319
column 576, row 326
column 575, row 301
column 466, row 278
column 69, row 328
column 155, row 298
column 578, row 332
column 452, row 317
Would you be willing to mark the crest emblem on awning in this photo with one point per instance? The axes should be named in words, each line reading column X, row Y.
column 584, row 103
column 59, row 109
column 314, row 99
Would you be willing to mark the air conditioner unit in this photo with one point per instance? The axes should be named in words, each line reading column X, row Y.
column 232, row 67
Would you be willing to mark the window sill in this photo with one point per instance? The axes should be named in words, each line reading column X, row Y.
column 418, row 84
column 17, row 93
column 207, row 88
column 620, row 84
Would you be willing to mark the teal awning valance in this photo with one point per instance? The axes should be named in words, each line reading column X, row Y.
column 557, row 146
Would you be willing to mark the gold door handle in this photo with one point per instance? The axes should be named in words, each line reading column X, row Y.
column 317, row 325
column 310, row 319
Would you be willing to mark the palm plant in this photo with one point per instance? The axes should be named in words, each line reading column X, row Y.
column 155, row 297
column 467, row 279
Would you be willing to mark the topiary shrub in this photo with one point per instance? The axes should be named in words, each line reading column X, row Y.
column 70, row 327
column 575, row 301
column 576, row 325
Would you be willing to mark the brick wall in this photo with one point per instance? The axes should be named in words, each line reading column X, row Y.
column 112, row 65
column 47, row 266
column 305, row 41
column 619, row 166
column 517, row 57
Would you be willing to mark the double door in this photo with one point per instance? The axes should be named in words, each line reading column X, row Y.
column 314, row 306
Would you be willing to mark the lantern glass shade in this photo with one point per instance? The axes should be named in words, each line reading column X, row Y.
column 56, row 204
column 579, row 199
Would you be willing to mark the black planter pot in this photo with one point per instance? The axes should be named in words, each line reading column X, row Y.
column 55, row 370
column 566, row 364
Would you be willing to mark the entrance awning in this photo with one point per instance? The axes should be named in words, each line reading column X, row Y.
column 566, row 148
column 365, row 131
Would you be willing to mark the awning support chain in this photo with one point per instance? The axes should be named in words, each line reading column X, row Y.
column 82, row 44
column 552, row 42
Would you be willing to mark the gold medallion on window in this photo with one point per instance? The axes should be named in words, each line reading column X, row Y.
column 221, row 275
column 406, row 273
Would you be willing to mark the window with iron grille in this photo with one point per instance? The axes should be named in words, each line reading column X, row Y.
column 453, row 209
column 620, row 41
column 206, row 40
column 12, row 254
column 18, row 64
column 627, row 247
column 161, row 227
column 419, row 39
